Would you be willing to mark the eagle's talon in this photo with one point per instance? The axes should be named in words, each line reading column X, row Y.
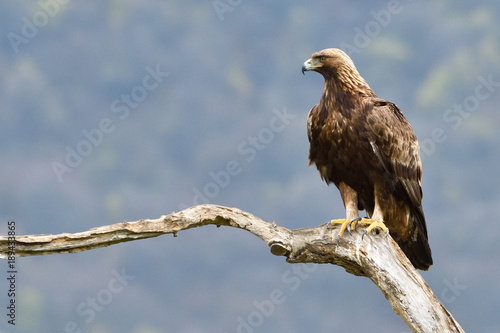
column 343, row 226
column 353, row 223
column 372, row 225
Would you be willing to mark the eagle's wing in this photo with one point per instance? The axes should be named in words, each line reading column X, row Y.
column 313, row 130
column 396, row 147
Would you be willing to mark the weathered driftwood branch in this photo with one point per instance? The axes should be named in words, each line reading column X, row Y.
column 377, row 257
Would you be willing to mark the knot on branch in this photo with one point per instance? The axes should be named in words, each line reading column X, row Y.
column 278, row 248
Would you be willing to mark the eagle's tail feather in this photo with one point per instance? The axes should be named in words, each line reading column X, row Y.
column 417, row 249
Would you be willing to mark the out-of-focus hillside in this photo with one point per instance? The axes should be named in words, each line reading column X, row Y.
column 118, row 111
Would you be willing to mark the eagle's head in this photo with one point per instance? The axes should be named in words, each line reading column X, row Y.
column 337, row 69
column 328, row 60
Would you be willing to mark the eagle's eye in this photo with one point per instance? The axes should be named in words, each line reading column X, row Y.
column 322, row 59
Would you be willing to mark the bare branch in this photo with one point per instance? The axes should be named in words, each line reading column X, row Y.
column 377, row 257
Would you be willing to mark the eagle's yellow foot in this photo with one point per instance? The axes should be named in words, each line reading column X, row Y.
column 344, row 224
column 372, row 225
column 351, row 225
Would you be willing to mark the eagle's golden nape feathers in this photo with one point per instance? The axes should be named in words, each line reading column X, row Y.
column 367, row 148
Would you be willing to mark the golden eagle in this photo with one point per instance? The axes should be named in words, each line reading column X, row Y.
column 366, row 147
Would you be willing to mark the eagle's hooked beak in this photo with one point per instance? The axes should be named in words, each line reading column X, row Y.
column 306, row 66
column 309, row 65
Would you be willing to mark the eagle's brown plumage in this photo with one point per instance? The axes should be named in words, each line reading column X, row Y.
column 367, row 148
